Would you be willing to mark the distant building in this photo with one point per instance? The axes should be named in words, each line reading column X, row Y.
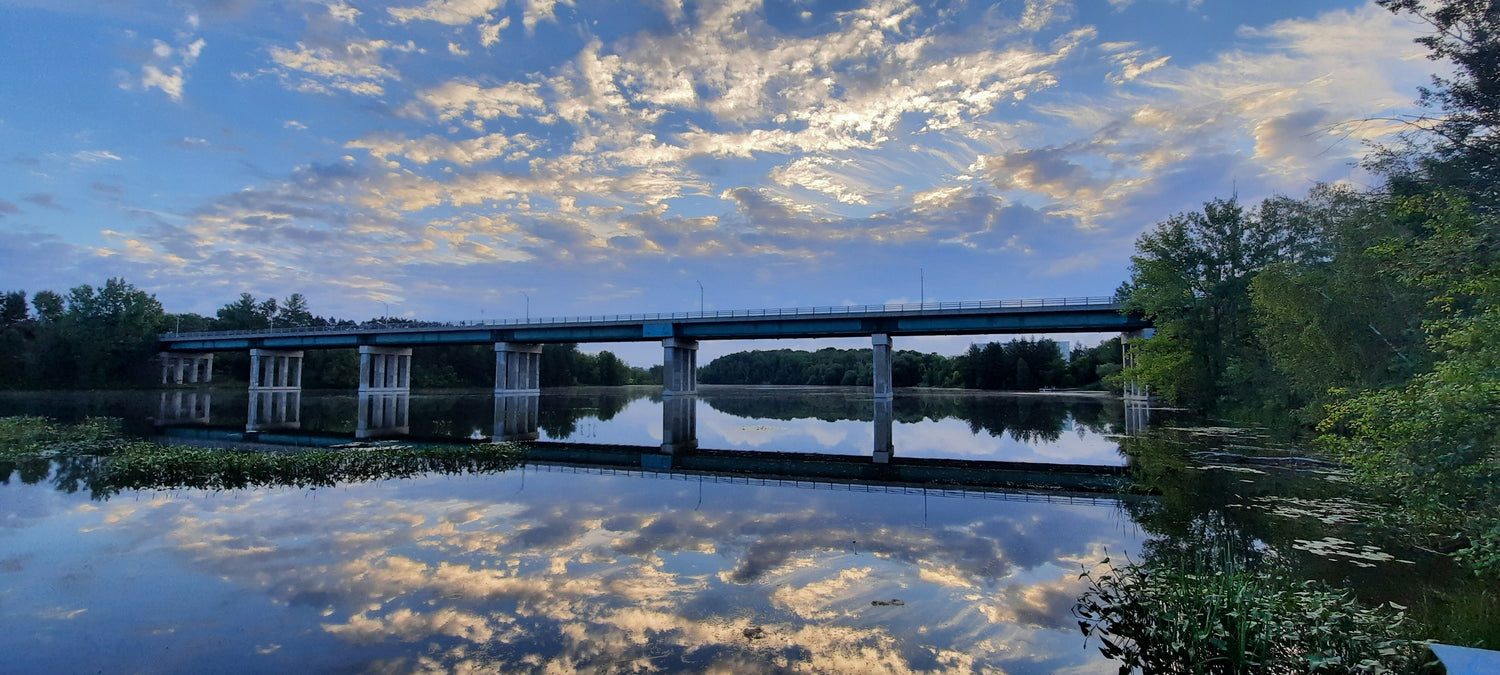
column 1066, row 348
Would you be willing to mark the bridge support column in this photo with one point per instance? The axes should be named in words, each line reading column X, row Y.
column 679, row 367
column 517, row 417
column 882, row 347
column 384, row 369
column 273, row 369
column 1134, row 390
column 885, row 416
column 518, row 368
column 382, row 414
column 187, row 368
column 679, row 424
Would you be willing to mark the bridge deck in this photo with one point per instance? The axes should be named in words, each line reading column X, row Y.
column 1052, row 315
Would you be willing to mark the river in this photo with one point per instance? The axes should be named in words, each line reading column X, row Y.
column 777, row 538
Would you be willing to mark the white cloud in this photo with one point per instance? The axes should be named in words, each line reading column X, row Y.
column 167, row 67
column 538, row 11
column 449, row 12
column 354, row 66
column 452, row 100
column 489, row 33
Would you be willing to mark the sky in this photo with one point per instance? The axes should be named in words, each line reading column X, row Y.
column 468, row 159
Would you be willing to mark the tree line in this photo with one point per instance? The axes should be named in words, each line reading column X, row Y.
column 1372, row 315
column 107, row 337
column 1017, row 365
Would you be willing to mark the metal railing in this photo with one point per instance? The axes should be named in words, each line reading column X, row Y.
column 845, row 310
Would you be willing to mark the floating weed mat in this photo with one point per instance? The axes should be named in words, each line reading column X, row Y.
column 32, row 437
column 1332, row 511
column 137, row 465
column 142, row 466
column 1360, row 555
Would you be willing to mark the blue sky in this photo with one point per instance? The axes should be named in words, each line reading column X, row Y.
column 449, row 158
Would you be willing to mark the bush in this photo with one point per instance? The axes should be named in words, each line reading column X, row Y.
column 1223, row 618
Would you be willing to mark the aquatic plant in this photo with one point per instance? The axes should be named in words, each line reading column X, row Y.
column 31, row 436
column 1221, row 617
column 124, row 464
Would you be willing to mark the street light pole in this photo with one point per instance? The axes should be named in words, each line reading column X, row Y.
column 700, row 296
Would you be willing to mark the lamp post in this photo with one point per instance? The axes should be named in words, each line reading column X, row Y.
column 700, row 296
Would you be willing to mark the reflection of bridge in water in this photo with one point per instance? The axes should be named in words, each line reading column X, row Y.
column 383, row 415
column 184, row 420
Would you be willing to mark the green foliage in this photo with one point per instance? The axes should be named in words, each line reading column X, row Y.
column 148, row 466
column 1339, row 319
column 1433, row 441
column 1219, row 616
column 42, row 437
column 124, row 464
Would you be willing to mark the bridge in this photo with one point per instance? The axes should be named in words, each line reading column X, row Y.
column 385, row 350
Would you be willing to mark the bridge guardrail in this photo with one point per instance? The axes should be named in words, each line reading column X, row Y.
column 890, row 309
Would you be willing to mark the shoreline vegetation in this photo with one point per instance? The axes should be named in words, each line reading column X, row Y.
column 95, row 455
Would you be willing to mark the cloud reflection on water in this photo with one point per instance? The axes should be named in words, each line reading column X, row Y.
column 548, row 571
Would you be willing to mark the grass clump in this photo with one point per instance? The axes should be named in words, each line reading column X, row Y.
column 1222, row 618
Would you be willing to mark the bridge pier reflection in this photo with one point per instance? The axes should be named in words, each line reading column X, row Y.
column 383, row 414
column 679, row 424
column 885, row 415
column 184, row 407
column 517, row 417
column 274, row 409
column 1137, row 416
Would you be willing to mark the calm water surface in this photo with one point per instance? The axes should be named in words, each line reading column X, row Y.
column 564, row 568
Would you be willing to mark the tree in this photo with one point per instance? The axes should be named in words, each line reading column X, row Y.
column 1191, row 277
column 1465, row 33
column 111, row 332
column 244, row 314
column 294, row 312
column 48, row 305
column 1338, row 318
column 13, row 308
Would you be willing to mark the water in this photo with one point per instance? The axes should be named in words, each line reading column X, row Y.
column 784, row 542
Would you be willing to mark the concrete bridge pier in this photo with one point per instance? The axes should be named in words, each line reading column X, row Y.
column 273, row 369
column 184, row 407
column 679, row 367
column 882, row 348
column 679, row 424
column 885, row 416
column 383, row 414
column 518, row 368
column 384, row 369
column 187, row 368
column 1134, row 390
column 517, row 417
